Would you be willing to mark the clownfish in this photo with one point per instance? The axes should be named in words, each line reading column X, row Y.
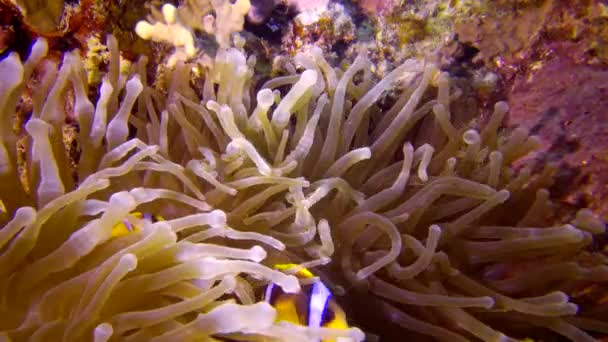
column 125, row 227
column 314, row 306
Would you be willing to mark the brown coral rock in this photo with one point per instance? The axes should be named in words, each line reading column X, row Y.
column 6, row 38
column 566, row 105
column 504, row 35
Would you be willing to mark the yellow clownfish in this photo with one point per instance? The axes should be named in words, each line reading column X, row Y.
column 125, row 227
column 313, row 306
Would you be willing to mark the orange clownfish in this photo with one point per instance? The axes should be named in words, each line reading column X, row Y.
column 313, row 306
column 125, row 227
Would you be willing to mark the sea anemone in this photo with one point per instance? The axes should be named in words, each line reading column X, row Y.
column 420, row 213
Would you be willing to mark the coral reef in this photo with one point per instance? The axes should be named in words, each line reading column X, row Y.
column 503, row 35
column 177, row 25
column 560, row 103
column 261, row 10
column 391, row 189
column 554, row 83
column 45, row 16
column 334, row 30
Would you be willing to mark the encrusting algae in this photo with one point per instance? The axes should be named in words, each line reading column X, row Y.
column 415, row 210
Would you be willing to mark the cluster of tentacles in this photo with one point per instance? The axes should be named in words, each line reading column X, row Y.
column 425, row 216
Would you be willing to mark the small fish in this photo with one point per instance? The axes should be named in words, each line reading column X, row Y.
column 125, row 227
column 313, row 306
